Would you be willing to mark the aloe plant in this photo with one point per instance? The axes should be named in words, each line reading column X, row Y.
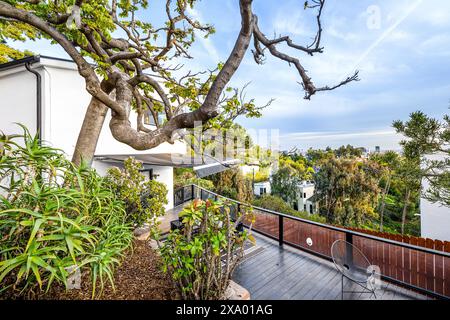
column 54, row 216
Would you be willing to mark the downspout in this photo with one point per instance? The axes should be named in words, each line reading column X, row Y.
column 38, row 100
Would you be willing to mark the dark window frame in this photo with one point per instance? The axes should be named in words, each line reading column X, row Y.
column 151, row 176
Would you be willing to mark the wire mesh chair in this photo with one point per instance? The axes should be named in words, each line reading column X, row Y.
column 353, row 265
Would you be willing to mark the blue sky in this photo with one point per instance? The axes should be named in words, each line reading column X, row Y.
column 403, row 58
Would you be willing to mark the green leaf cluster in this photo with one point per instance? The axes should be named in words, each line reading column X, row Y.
column 55, row 217
column 144, row 199
column 202, row 256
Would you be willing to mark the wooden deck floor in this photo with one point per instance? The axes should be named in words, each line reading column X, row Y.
column 287, row 273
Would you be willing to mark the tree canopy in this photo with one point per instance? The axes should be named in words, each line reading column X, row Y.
column 427, row 137
column 132, row 58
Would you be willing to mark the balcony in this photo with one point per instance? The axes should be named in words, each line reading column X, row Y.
column 285, row 273
column 292, row 259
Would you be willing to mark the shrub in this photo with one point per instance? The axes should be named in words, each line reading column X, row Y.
column 144, row 199
column 55, row 217
column 276, row 203
column 233, row 184
column 202, row 256
column 260, row 176
column 185, row 177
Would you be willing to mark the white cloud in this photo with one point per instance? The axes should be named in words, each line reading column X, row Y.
column 386, row 138
column 435, row 45
column 207, row 43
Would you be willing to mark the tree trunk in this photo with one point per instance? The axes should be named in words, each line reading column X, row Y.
column 405, row 209
column 90, row 132
column 383, row 203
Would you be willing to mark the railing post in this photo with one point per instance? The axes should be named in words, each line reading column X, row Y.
column 280, row 231
column 349, row 251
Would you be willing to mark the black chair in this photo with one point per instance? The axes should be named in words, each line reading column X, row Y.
column 353, row 265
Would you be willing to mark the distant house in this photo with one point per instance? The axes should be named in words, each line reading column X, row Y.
column 49, row 96
column 261, row 188
column 305, row 201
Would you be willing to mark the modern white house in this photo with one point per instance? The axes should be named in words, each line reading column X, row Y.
column 49, row 97
column 261, row 188
column 434, row 217
column 305, row 193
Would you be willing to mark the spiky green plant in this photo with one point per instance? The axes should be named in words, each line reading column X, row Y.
column 55, row 216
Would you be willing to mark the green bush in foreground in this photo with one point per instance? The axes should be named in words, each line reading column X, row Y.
column 55, row 217
column 203, row 255
column 144, row 199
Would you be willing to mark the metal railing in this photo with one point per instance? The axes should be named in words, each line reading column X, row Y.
column 422, row 269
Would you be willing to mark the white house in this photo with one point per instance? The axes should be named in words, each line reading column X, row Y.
column 305, row 193
column 49, row 96
column 261, row 188
column 434, row 218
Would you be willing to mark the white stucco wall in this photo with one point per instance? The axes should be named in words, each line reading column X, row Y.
column 307, row 188
column 162, row 174
column 259, row 185
column 65, row 101
column 165, row 175
column 65, row 110
column 17, row 100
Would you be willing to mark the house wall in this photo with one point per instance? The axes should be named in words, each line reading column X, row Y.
column 301, row 199
column 162, row 174
column 260, row 185
column 165, row 175
column 65, row 110
column 65, row 101
column 17, row 100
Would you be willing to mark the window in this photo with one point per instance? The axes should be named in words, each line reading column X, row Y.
column 304, row 207
column 262, row 190
column 311, row 208
column 150, row 173
column 304, row 195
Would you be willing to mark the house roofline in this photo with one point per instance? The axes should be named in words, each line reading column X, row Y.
column 57, row 59
column 20, row 62
column 30, row 60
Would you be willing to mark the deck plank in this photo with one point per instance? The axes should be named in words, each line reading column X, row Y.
column 288, row 273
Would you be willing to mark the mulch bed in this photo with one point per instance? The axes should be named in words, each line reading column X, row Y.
column 139, row 277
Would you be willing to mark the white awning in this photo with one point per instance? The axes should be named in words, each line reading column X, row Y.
column 213, row 168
